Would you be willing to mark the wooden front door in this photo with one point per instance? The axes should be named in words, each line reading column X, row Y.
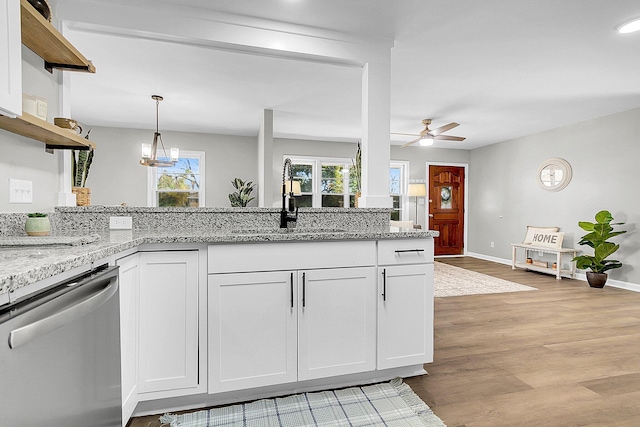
column 446, row 208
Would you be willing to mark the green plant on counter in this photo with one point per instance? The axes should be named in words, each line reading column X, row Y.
column 242, row 197
column 37, row 215
column 80, row 163
column 599, row 234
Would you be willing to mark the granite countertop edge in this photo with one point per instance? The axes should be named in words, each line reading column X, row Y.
column 23, row 266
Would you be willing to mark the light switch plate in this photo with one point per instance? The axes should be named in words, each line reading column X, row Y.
column 20, row 191
column 120, row 222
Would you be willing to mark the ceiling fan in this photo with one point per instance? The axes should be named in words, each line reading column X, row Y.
column 427, row 136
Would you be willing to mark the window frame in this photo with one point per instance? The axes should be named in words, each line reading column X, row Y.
column 316, row 176
column 316, row 165
column 404, row 186
column 152, row 177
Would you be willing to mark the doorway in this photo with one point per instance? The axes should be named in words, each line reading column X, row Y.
column 446, row 209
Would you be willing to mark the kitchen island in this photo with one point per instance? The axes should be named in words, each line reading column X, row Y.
column 235, row 309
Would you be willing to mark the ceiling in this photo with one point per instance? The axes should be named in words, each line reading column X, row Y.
column 501, row 68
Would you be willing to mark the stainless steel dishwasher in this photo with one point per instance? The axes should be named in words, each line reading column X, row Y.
column 60, row 355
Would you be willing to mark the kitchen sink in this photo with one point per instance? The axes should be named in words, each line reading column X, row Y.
column 301, row 230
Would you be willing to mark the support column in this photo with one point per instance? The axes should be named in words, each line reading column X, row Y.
column 376, row 151
column 265, row 160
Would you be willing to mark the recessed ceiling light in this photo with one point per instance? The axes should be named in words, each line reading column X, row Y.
column 630, row 26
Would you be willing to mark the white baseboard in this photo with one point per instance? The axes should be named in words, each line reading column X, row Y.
column 614, row 283
column 635, row 287
column 489, row 258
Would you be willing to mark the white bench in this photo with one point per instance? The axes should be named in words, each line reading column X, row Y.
column 559, row 252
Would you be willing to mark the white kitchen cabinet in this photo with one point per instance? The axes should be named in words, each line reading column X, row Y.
column 10, row 58
column 129, row 280
column 252, row 330
column 405, row 315
column 292, row 324
column 336, row 322
column 168, row 321
column 277, row 327
column 405, row 303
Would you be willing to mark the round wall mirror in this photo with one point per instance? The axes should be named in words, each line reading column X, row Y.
column 554, row 174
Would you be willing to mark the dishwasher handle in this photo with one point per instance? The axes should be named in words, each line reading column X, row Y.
column 27, row 333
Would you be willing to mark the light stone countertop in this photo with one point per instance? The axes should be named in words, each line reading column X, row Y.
column 21, row 266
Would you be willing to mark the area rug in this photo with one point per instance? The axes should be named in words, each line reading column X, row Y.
column 452, row 281
column 391, row 404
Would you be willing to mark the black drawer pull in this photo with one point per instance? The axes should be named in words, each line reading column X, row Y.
column 291, row 290
column 304, row 290
column 384, row 284
column 399, row 251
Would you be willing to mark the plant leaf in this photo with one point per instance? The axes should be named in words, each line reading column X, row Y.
column 604, row 217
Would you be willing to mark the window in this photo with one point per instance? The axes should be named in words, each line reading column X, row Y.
column 397, row 189
column 181, row 185
column 333, row 182
column 327, row 182
column 324, row 182
column 303, row 172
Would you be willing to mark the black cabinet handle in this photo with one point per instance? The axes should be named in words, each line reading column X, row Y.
column 304, row 290
column 384, row 284
column 409, row 250
column 291, row 290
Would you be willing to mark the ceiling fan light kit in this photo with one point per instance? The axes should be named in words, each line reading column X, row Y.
column 425, row 142
column 427, row 136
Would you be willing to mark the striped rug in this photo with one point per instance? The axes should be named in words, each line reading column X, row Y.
column 391, row 404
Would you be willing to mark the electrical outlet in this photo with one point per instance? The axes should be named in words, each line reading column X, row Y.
column 120, row 222
column 492, row 244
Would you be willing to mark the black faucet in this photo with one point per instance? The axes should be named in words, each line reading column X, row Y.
column 286, row 216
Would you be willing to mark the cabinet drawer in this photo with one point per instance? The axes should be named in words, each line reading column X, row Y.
column 405, row 251
column 246, row 257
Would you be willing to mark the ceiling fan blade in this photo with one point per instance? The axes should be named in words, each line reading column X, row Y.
column 411, row 142
column 406, row 134
column 449, row 138
column 441, row 129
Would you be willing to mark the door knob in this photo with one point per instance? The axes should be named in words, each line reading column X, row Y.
column 430, row 215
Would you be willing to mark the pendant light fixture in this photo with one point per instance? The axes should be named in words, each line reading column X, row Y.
column 150, row 151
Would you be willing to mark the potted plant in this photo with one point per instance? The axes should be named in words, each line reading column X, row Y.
column 242, row 197
column 37, row 224
column 80, row 164
column 597, row 237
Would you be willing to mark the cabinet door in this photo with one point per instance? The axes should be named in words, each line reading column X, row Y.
column 129, row 279
column 337, row 322
column 252, row 330
column 168, row 320
column 10, row 58
column 405, row 315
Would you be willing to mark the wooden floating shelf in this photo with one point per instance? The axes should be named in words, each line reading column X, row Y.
column 38, row 129
column 42, row 38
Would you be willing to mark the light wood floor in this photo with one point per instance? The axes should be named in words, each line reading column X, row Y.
column 565, row 355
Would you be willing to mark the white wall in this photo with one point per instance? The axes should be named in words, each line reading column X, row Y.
column 420, row 156
column 25, row 158
column 504, row 196
column 117, row 177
